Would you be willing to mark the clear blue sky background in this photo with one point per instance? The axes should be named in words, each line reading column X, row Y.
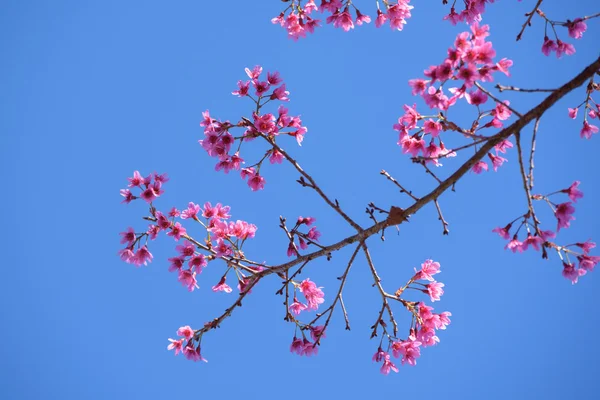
column 94, row 90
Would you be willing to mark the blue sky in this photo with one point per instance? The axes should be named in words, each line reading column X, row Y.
column 94, row 90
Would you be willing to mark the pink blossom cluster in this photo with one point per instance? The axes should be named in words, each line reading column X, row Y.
column 303, row 239
column 220, row 143
column 470, row 14
column 149, row 187
column 186, row 344
column 297, row 21
column 468, row 61
column 224, row 237
column 422, row 332
column 314, row 297
column 304, row 347
column 563, row 213
column 576, row 28
column 591, row 110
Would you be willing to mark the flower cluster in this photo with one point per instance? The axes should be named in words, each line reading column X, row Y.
column 303, row 239
column 190, row 349
column 220, row 143
column 304, row 347
column 297, row 21
column 470, row 14
column 149, row 187
column 425, row 323
column 575, row 29
column 563, row 213
column 591, row 110
column 468, row 61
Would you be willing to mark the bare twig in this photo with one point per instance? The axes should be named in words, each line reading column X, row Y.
column 497, row 100
column 395, row 182
column 502, row 88
column 441, row 217
column 528, row 21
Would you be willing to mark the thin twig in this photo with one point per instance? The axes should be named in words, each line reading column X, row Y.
column 528, row 21
column 441, row 217
column 497, row 100
column 502, row 88
column 531, row 154
column 395, row 182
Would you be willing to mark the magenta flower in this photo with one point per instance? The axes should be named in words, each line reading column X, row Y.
column 296, row 307
column 360, row 18
column 297, row 346
column 573, row 192
column 256, row 182
column 564, row 48
column 177, row 230
column 434, row 289
column 142, row 256
column 276, row 157
column 128, row 196
column 176, row 263
column 576, row 28
column 176, row 345
column 549, row 46
column 222, row 286
column 571, row 273
column 534, row 241
column 188, row 279
column 573, row 113
column 388, row 366
column 497, row 161
column 587, row 263
column 313, row 294
column 317, row 331
column 428, row 269
column 137, row 179
column 586, row 246
column 309, row 348
column 563, row 214
column 197, row 262
column 514, row 245
column 588, row 130
column 480, row 166
column 127, row 255
column 191, row 212
column 186, row 332
column 503, row 232
column 409, row 349
column 128, row 237
column 193, row 354
column 313, row 234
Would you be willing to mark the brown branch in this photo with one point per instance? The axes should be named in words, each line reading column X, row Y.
column 441, row 217
column 528, row 21
column 383, row 293
column 497, row 100
column 395, row 182
column 502, row 88
column 531, row 154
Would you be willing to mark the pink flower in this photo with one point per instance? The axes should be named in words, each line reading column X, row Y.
column 127, row 255
column 176, row 345
column 388, row 366
column 432, row 127
column 255, row 181
column 503, row 232
column 503, row 146
column 297, row 346
column 379, row 355
column 587, row 263
column 514, row 245
column 571, row 273
column 188, row 279
column 193, row 354
column 380, row 20
column 276, row 157
column 149, row 194
column 409, row 349
column 360, row 18
column 573, row 113
column 197, row 262
column 128, row 196
column 128, row 237
column 309, row 348
column 426, row 335
column 186, row 332
column 142, row 256
column 480, row 166
column 255, row 72
column 548, row 46
column 243, row 88
column 434, row 289
column 428, row 269
column 316, row 332
column 586, row 246
column 576, row 28
column 313, row 234
column 534, row 241
column 497, row 161
column 573, row 192
column 222, row 286
column 177, row 230
column 280, row 94
column 176, row 263
column 296, row 307
column 191, row 212
column 342, row 20
column 476, row 97
column 314, row 295
column 137, row 179
column 588, row 130
column 564, row 48
column 564, row 215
